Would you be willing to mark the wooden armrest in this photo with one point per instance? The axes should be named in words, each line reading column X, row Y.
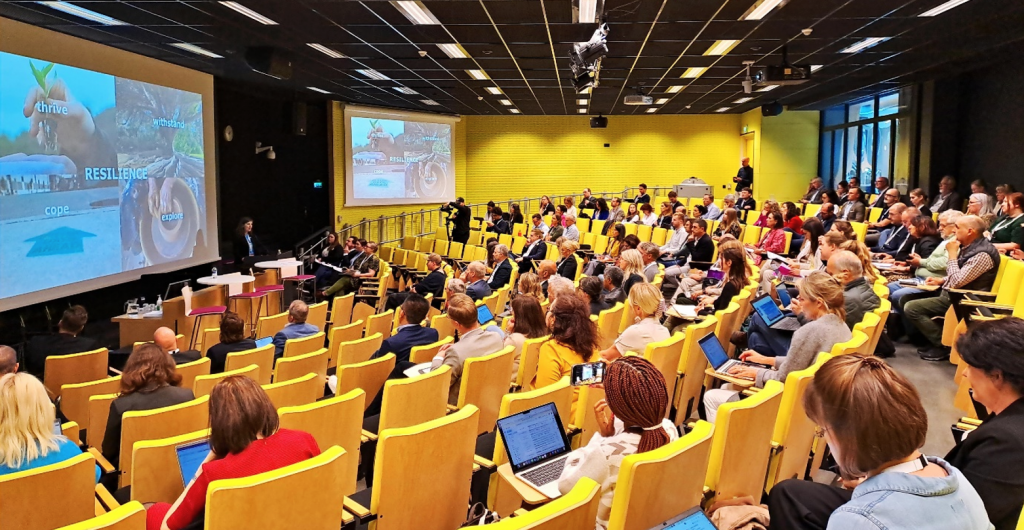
column 106, row 466
column 70, row 430
column 982, row 318
column 989, row 294
column 105, row 498
column 452, row 408
column 369, row 436
column 347, row 518
column 971, row 421
column 483, row 462
column 965, row 426
column 987, row 305
column 113, row 371
column 520, row 512
column 776, row 448
column 355, row 508
column 476, row 467
column 747, row 392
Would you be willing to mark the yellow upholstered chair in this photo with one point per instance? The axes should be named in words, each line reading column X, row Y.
column 156, row 476
column 333, row 421
column 484, row 382
column 317, row 315
column 575, row 510
column 190, row 371
column 793, row 435
column 690, row 373
column 341, row 310
column 529, row 359
column 425, row 353
column 204, row 384
column 608, row 322
column 268, row 326
column 368, row 376
column 156, row 424
column 74, row 401
column 665, row 355
column 358, row 350
column 415, row 400
column 295, row 392
column 857, row 344
column 294, row 367
column 362, row 312
column 49, row 497
column 304, row 345
column 130, row 516
column 82, row 367
column 261, row 357
column 380, row 323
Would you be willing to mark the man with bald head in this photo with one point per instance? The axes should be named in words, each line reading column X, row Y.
column 8, row 360
column 475, row 277
column 167, row 340
column 545, row 271
column 745, row 176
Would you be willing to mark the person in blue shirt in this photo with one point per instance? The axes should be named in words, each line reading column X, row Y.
column 296, row 328
column 27, row 439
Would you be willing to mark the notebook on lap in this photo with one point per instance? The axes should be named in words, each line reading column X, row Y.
column 536, row 446
column 772, row 315
column 190, row 457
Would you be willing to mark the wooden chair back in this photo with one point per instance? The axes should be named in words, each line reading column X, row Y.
column 128, row 516
column 156, row 476
column 857, row 344
column 422, row 473
column 50, row 496
column 575, row 510
column 415, row 400
column 268, row 326
column 295, row 367
column 317, row 315
column 882, row 311
column 362, row 311
column 261, row 357
column 204, row 384
column 660, row 484
column 308, row 495
column 443, row 325
column 529, row 359
column 211, row 337
column 868, row 325
column 665, row 355
column 425, row 353
column 358, row 350
column 303, row 345
column 380, row 323
column 728, row 322
column 341, row 309
column 368, row 376
column 484, row 382
column 333, row 421
column 794, row 432
column 190, row 371
column 608, row 324
column 292, row 393
column 492, row 302
column 743, row 443
column 159, row 423
column 82, row 367
column 74, row 401
column 341, row 333
column 692, row 364
column 99, row 411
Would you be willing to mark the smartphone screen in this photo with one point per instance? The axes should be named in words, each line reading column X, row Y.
column 587, row 374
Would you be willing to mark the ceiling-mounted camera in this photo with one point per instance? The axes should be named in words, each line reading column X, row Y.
column 585, row 59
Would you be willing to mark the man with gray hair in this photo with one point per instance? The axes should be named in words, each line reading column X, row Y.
column 502, row 272
column 296, row 328
column 474, row 276
column 858, row 295
column 572, row 232
column 814, row 191
column 8, row 360
column 889, row 239
column 650, row 253
column 559, row 286
column 612, row 288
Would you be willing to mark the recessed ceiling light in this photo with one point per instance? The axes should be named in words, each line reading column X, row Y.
column 239, row 8
column 373, row 74
column 581, row 111
column 693, row 73
column 454, row 51
column 325, row 50
column 722, row 109
column 587, row 90
column 429, row 102
column 935, row 11
column 514, row 111
column 493, row 90
column 864, row 44
column 582, row 101
column 742, row 100
column 405, row 90
column 82, row 12
column 768, row 88
column 661, row 101
column 816, row 67
column 320, row 90
column 505, row 102
column 673, row 89
column 416, row 12
column 478, row 74
column 196, row 50
column 588, row 11
column 721, row 47
column 652, row 110
column 760, row 9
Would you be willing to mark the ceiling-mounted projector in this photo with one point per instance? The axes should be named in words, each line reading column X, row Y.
column 638, row 99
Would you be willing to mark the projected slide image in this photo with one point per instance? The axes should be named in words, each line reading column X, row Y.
column 98, row 174
column 395, row 159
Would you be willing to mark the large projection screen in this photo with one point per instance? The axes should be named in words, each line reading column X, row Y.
column 107, row 166
column 394, row 157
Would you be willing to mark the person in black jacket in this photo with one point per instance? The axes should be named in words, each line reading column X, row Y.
column 149, row 382
column 567, row 264
column 245, row 244
column 745, row 176
column 410, row 333
column 534, row 252
column 432, row 283
column 65, row 342
column 333, row 254
column 947, row 198
column 460, row 219
column 232, row 339
column 502, row 271
column 497, row 224
column 699, row 245
column 990, row 457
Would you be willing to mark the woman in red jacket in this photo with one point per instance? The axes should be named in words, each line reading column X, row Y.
column 773, row 239
column 245, row 440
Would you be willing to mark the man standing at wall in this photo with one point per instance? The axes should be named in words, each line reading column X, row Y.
column 745, row 176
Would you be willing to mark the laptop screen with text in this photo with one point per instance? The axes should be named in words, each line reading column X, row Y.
column 770, row 313
column 533, row 436
column 713, row 350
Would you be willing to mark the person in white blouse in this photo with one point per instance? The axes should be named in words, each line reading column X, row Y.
column 647, row 215
column 645, row 304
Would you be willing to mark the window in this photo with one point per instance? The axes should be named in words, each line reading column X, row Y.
column 837, row 155
column 867, row 138
column 884, row 154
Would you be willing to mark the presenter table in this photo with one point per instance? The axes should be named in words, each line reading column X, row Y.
column 135, row 328
column 288, row 267
column 233, row 281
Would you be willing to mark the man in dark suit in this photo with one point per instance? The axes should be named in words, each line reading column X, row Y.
column 497, row 224
column 460, row 220
column 65, row 342
column 882, row 185
column 411, row 332
column 168, row 342
column 535, row 250
column 746, row 204
column 502, row 272
column 947, row 198
column 642, row 197
column 476, row 285
column 745, row 176
column 432, row 283
column 589, row 202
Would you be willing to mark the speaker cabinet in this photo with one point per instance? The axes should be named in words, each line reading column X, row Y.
column 299, row 111
column 269, row 61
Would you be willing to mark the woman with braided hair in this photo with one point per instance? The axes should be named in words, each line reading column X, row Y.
column 631, row 420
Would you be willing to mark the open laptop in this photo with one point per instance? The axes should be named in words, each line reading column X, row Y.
column 265, row 341
column 536, row 446
column 483, row 314
column 692, row 519
column 772, row 315
column 190, row 457
column 715, row 354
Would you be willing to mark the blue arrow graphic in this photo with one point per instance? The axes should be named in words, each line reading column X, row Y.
column 62, row 240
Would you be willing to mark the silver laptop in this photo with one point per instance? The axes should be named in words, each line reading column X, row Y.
column 718, row 358
column 536, row 446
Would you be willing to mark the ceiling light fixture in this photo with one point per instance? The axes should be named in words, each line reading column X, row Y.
column 405, row 90
column 816, row 67
column 325, row 50
column 722, row 109
column 587, row 90
column 505, row 102
column 581, row 111
column 742, row 100
column 693, row 73
column 661, row 101
column 239, row 8
column 721, row 47
column 196, row 50
column 320, row 90
column 493, row 90
column 768, row 88
column 454, row 51
column 935, row 11
column 760, row 9
column 673, row 89
column 587, row 11
column 82, row 12
column 373, row 74
column 864, row 44
column 582, row 101
column 652, row 110
column 416, row 12
column 429, row 102
column 479, row 75
column 514, row 111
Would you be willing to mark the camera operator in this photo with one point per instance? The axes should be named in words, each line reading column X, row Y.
column 460, row 215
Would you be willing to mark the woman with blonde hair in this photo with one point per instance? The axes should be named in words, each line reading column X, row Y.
column 27, row 424
column 632, row 264
column 529, row 285
column 980, row 204
column 567, row 265
column 730, row 225
column 646, row 305
column 821, row 305
column 864, row 254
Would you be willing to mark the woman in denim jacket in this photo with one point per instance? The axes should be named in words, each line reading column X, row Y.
column 874, row 423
